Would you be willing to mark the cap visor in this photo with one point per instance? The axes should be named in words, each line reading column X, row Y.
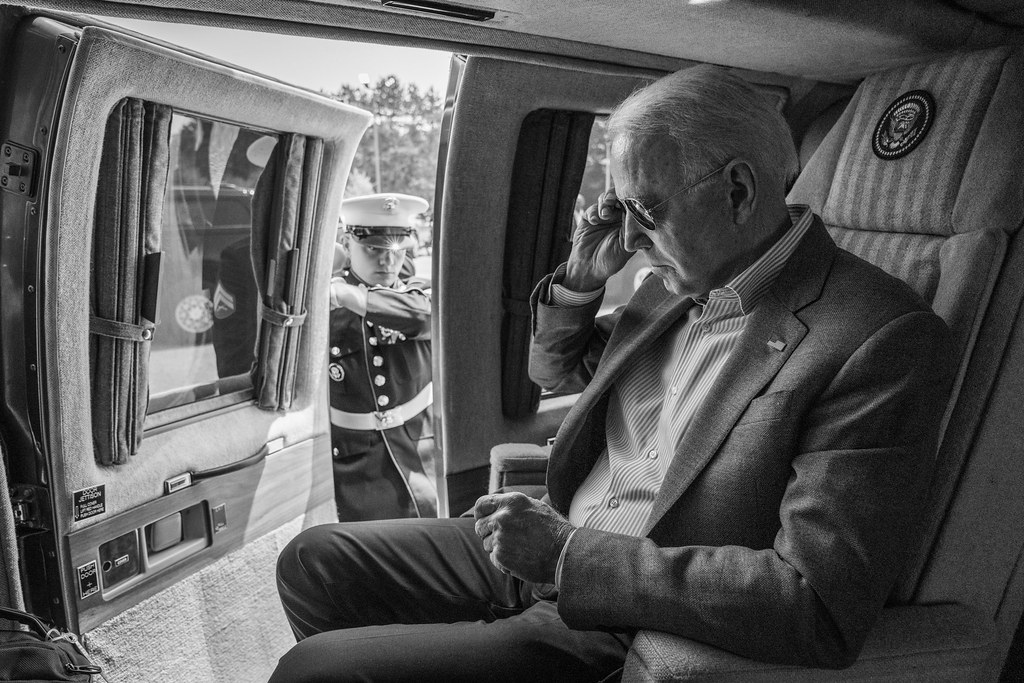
column 389, row 241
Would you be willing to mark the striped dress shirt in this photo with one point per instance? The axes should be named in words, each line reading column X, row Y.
column 653, row 402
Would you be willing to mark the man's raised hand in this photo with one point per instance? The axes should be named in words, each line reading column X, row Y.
column 597, row 245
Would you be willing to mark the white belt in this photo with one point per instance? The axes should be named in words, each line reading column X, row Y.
column 387, row 419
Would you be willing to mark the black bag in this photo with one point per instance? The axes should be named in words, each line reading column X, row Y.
column 41, row 654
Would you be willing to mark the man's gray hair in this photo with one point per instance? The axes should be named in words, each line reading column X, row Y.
column 713, row 116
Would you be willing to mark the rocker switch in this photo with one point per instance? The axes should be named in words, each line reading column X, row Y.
column 220, row 518
column 18, row 168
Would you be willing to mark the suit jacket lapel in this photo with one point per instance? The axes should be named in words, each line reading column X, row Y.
column 751, row 366
column 634, row 331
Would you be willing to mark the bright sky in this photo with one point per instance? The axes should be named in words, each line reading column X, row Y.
column 308, row 62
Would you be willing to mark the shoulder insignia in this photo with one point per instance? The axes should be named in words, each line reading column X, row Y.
column 904, row 125
column 223, row 302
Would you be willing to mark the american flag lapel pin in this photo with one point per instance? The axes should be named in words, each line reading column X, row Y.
column 776, row 344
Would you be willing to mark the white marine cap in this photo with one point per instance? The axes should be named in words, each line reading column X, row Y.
column 382, row 219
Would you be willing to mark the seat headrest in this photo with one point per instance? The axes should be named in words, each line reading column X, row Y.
column 948, row 160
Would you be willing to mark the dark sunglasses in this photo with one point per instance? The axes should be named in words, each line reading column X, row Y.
column 644, row 216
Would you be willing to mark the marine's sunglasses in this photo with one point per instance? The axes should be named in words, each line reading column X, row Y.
column 644, row 216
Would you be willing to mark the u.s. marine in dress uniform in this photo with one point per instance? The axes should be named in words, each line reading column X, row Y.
column 379, row 371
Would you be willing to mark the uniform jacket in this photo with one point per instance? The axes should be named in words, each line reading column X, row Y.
column 797, row 493
column 235, row 303
column 378, row 362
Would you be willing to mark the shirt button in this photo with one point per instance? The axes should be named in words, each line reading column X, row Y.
column 383, row 401
column 674, row 391
column 379, row 380
column 378, row 361
column 335, row 351
column 334, row 451
column 373, row 341
column 652, row 454
column 706, row 328
column 614, row 502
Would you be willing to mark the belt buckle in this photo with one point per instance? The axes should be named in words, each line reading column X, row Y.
column 384, row 418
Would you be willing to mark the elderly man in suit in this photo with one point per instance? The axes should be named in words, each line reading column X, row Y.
column 746, row 465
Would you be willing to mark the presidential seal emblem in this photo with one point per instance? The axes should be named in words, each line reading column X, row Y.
column 336, row 372
column 903, row 125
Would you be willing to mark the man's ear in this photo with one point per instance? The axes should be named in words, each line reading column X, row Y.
column 742, row 190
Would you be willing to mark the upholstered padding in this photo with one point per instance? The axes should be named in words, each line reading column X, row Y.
column 918, row 192
column 912, row 258
column 937, row 643
column 939, row 218
column 954, row 274
column 519, row 467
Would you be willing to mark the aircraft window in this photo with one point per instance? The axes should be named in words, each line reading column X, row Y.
column 597, row 179
column 205, row 335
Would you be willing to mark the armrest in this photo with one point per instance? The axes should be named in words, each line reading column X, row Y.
column 912, row 643
column 519, row 467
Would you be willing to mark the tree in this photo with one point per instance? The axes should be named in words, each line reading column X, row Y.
column 408, row 121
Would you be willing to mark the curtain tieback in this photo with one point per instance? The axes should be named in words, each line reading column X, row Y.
column 119, row 330
column 282, row 319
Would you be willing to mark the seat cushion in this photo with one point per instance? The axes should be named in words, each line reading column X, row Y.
column 916, row 643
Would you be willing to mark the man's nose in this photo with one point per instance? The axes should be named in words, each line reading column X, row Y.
column 633, row 234
column 389, row 256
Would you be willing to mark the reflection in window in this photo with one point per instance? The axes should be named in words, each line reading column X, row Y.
column 207, row 316
column 596, row 179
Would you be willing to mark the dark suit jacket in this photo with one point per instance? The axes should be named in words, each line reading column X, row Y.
column 796, row 494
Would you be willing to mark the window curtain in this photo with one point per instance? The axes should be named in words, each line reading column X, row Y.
column 125, row 273
column 10, row 578
column 282, row 227
column 550, row 159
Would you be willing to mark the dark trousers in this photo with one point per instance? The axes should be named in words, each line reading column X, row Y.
column 419, row 600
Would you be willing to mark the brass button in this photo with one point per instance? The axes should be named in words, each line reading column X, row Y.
column 378, row 361
column 379, row 380
column 613, row 503
column 383, row 400
column 335, row 351
column 373, row 341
